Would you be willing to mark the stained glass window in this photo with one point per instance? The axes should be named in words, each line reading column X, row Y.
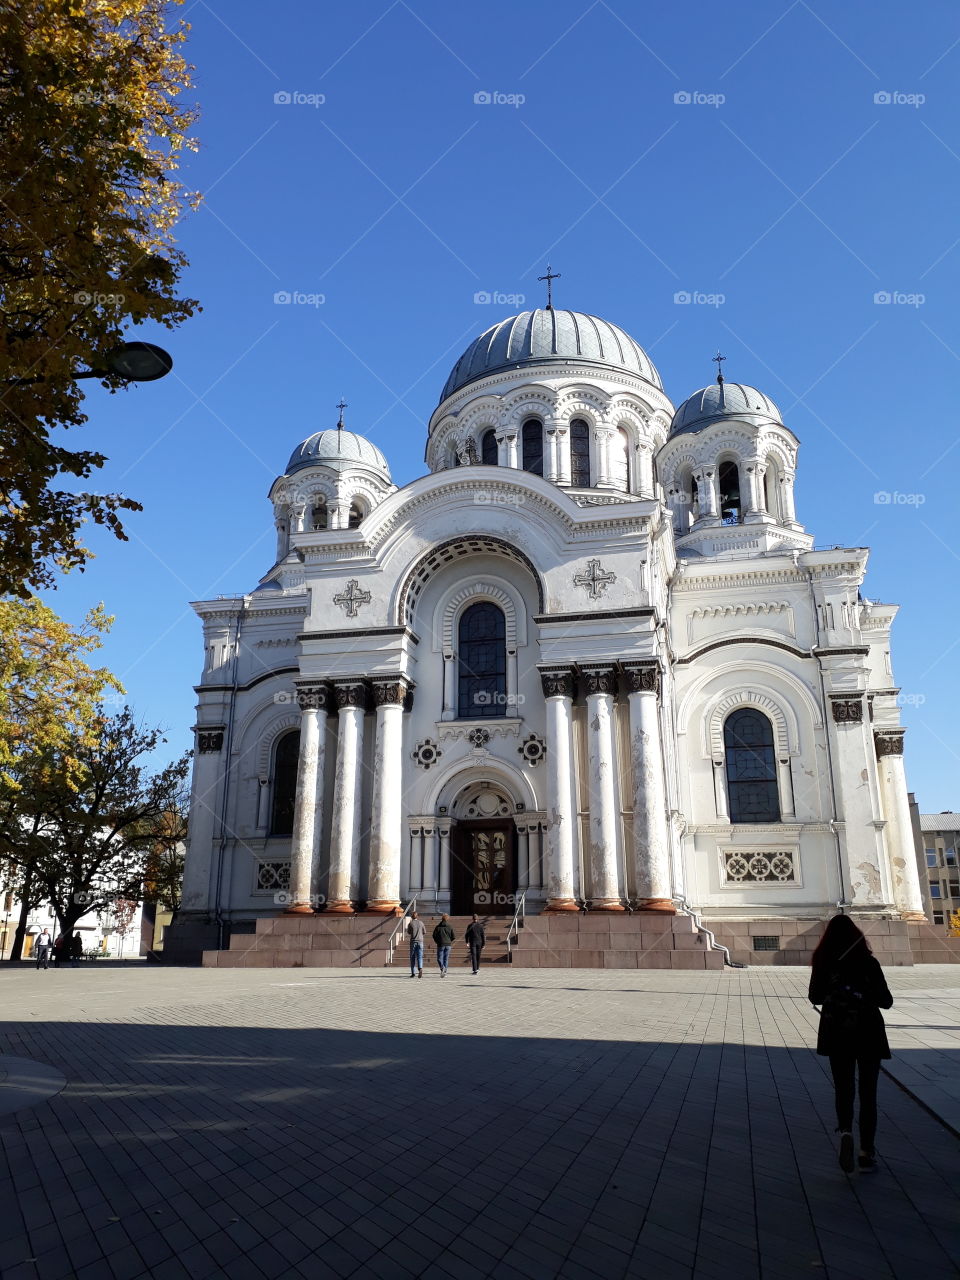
column 531, row 442
column 751, row 767
column 580, row 453
column 482, row 654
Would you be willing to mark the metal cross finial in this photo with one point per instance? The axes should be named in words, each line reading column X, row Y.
column 550, row 277
column 341, row 406
column 718, row 361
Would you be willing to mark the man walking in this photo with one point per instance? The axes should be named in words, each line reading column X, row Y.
column 476, row 940
column 42, row 947
column 416, row 932
column 444, row 937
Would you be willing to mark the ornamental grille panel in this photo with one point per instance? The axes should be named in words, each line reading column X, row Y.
column 272, row 876
column 769, row 943
column 752, row 866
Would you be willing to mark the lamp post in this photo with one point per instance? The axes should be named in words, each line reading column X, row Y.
column 131, row 361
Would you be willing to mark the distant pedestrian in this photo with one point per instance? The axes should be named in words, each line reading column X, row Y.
column 76, row 950
column 41, row 948
column 444, row 937
column 476, row 937
column 848, row 983
column 59, row 948
column 417, row 933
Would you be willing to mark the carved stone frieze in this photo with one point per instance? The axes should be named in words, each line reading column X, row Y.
column 847, row 710
column 889, row 742
column 642, row 677
column 209, row 741
column 599, row 679
column 350, row 693
column 314, row 697
column 392, row 692
column 557, row 683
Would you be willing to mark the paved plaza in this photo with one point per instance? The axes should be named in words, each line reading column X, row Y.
column 520, row 1124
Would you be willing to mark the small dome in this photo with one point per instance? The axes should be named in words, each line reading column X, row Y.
column 337, row 449
column 722, row 400
column 271, row 585
column 538, row 337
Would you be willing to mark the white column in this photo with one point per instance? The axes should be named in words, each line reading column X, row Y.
column 551, row 468
column 787, row 506
column 564, row 465
column 383, row 890
column 449, row 687
column 510, row 450
column 263, row 805
column 602, row 436
column 858, row 816
column 651, row 844
column 645, row 471
column 443, row 891
column 281, row 525
column 601, row 764
column 308, row 805
column 561, row 817
column 523, row 856
column 904, row 872
column 709, row 498
column 431, row 863
column 345, row 830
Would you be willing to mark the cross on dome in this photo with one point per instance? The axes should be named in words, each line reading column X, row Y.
column 341, row 406
column 550, row 277
column 718, row 361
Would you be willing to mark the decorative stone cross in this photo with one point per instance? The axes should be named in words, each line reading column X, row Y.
column 352, row 598
column 595, row 579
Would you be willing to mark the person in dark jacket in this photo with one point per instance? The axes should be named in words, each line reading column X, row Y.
column 848, row 984
column 76, row 950
column 476, row 937
column 444, row 937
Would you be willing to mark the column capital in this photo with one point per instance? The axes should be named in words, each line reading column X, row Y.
column 210, row 739
column 846, row 708
column 314, row 696
column 557, row 682
column 889, row 742
column 389, row 691
column 599, row 679
column 642, row 677
column 350, row 693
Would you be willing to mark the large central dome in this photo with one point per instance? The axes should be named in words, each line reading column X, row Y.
column 538, row 337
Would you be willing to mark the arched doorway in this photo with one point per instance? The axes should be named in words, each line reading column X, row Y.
column 483, row 852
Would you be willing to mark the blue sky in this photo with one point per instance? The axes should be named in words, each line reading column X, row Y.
column 785, row 168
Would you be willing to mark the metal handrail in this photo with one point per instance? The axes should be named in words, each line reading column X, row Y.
column 519, row 916
column 399, row 930
column 687, row 910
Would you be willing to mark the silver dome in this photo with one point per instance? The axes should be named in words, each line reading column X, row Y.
column 722, row 400
column 338, row 450
column 538, row 337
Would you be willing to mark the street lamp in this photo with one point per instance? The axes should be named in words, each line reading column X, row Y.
column 134, row 362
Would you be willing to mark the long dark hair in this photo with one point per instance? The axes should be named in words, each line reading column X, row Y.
column 842, row 943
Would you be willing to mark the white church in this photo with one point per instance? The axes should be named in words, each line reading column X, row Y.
column 591, row 660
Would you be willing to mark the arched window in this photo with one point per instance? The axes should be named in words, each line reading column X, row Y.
column 580, row 454
column 488, row 449
column 356, row 515
column 728, row 475
column 771, row 491
column 482, row 659
column 751, row 767
column 286, row 752
column 619, row 459
column 531, row 442
column 318, row 515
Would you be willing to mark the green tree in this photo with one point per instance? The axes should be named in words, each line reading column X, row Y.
column 86, row 842
column 94, row 130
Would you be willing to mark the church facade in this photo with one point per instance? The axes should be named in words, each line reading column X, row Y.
column 591, row 657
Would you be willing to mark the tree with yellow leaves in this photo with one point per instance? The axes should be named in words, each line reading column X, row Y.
column 94, row 129
column 953, row 924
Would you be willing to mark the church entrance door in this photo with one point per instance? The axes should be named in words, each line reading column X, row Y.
column 483, row 872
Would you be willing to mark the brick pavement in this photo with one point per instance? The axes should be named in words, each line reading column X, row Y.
column 525, row 1123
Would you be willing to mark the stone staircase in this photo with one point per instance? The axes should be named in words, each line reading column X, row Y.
column 601, row 940
column 644, row 940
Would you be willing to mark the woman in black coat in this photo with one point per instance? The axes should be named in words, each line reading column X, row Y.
column 848, row 983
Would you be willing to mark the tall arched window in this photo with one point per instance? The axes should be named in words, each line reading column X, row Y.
column 619, row 459
column 751, row 767
column 356, row 515
column 286, row 752
column 580, row 453
column 482, row 660
column 488, row 449
column 531, row 443
column 728, row 476
column 318, row 515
